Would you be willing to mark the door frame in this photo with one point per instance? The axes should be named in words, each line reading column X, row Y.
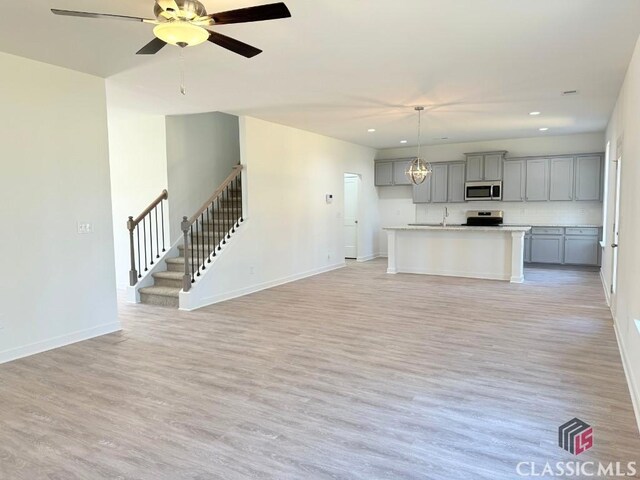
column 358, row 177
column 615, row 233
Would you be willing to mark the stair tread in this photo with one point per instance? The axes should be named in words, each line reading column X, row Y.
column 169, row 275
column 161, row 291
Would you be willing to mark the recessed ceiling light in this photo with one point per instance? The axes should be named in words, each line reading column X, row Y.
column 544, row 129
column 371, row 130
column 403, row 141
column 534, row 113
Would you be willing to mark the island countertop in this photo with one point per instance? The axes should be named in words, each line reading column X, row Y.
column 508, row 228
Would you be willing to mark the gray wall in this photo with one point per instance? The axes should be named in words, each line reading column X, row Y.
column 201, row 151
column 59, row 285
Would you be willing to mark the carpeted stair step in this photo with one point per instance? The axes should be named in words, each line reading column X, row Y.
column 161, row 296
column 168, row 279
column 177, row 264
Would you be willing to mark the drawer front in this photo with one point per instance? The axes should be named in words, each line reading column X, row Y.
column 547, row 230
column 582, row 231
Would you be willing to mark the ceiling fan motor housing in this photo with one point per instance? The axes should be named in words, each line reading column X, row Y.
column 187, row 9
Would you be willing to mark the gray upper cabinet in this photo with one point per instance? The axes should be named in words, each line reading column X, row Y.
column 456, row 176
column 422, row 192
column 399, row 172
column 561, row 178
column 475, row 168
column 484, row 166
column 513, row 184
column 439, row 183
column 588, row 177
column 537, row 184
column 493, row 166
column 384, row 174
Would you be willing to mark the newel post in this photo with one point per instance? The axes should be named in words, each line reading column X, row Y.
column 186, row 279
column 133, row 274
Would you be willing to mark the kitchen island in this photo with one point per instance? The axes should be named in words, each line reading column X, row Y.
column 492, row 252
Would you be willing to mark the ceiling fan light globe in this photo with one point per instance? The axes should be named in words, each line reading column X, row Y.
column 181, row 33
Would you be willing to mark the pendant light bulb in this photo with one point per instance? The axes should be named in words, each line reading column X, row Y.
column 419, row 170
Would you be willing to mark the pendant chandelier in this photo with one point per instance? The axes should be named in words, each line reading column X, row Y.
column 418, row 170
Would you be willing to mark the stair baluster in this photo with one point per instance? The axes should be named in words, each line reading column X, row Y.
column 133, row 225
column 213, row 221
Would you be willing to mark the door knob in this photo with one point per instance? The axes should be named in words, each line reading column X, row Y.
column 614, row 245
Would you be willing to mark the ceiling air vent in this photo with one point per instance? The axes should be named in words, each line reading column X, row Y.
column 569, row 92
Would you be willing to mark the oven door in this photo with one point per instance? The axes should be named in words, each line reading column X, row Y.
column 478, row 191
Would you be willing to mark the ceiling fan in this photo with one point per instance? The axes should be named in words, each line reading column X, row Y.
column 183, row 23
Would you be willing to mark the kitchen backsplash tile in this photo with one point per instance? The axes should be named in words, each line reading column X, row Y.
column 543, row 213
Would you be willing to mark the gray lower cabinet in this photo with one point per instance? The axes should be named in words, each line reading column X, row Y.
column 561, row 179
column 588, row 177
column 563, row 245
column 513, row 185
column 455, row 188
column 384, row 174
column 400, row 172
column 439, row 183
column 547, row 248
column 537, row 185
column 580, row 250
column 422, row 192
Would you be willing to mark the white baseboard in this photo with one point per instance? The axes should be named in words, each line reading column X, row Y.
column 184, row 297
column 366, row 258
column 607, row 293
column 626, row 364
column 57, row 342
column 454, row 273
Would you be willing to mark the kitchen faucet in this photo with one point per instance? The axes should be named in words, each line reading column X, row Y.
column 445, row 214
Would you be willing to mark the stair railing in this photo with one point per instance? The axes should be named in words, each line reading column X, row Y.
column 212, row 225
column 152, row 232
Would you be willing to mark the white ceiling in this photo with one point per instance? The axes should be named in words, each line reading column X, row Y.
column 340, row 67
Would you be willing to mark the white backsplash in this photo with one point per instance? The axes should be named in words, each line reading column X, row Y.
column 543, row 213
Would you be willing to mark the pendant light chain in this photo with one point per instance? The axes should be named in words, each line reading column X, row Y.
column 419, row 131
column 419, row 170
column 183, row 88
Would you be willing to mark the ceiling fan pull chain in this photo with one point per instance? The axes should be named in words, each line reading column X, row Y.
column 183, row 89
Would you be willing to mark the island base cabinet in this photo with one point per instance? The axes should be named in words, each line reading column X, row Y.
column 547, row 249
column 581, row 250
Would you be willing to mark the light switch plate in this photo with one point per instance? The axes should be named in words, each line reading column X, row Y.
column 85, row 228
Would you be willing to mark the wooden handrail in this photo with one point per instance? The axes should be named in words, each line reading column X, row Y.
column 236, row 171
column 131, row 224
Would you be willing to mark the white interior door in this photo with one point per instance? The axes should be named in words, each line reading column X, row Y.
column 616, row 229
column 351, row 215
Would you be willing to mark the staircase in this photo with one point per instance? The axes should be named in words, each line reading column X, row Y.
column 205, row 235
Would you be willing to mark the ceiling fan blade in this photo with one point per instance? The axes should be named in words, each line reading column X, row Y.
column 152, row 47
column 73, row 13
column 234, row 45
column 272, row 11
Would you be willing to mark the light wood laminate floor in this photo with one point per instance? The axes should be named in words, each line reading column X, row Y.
column 354, row 374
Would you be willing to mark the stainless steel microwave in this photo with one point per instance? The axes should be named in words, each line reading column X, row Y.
column 483, row 191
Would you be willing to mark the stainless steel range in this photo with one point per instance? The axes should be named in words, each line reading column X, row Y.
column 485, row 218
